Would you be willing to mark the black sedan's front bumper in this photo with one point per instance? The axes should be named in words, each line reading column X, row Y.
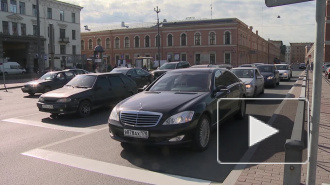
column 157, row 135
column 58, row 108
column 32, row 89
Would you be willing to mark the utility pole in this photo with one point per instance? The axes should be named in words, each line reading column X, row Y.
column 40, row 66
column 317, row 88
column 158, row 36
column 51, row 43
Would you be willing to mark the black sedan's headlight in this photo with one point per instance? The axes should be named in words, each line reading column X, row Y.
column 182, row 117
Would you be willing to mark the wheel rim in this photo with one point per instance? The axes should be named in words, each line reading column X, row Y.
column 204, row 133
column 85, row 109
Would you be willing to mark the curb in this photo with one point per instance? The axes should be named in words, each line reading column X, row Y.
column 237, row 170
column 13, row 87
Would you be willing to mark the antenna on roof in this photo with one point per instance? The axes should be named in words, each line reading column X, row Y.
column 211, row 9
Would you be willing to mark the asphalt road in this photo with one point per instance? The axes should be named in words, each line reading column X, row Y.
column 36, row 149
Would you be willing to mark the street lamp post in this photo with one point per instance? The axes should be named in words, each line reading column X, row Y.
column 38, row 39
column 158, row 36
column 3, row 71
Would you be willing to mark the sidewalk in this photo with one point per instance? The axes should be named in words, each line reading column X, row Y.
column 273, row 173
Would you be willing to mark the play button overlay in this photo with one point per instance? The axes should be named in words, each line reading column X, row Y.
column 259, row 131
column 273, row 131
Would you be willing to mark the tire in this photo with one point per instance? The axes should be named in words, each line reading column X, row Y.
column 84, row 109
column 53, row 115
column 241, row 112
column 47, row 89
column 201, row 138
column 278, row 83
column 31, row 94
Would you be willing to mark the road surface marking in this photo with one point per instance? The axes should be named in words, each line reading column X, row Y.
column 47, row 125
column 129, row 173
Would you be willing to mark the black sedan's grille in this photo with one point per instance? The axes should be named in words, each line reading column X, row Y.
column 140, row 118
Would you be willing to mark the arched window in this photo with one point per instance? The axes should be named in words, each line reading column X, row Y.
column 227, row 38
column 197, row 39
column 117, row 43
column 212, row 38
column 90, row 44
column 126, row 42
column 82, row 45
column 137, row 41
column 147, row 41
column 170, row 40
column 99, row 41
column 107, row 43
column 183, row 39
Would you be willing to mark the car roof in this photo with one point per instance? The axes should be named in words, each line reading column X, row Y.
column 244, row 68
column 267, row 65
column 102, row 74
column 208, row 69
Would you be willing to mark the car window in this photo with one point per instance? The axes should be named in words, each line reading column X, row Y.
column 226, row 79
column 185, row 82
column 185, row 64
column 60, row 76
column 69, row 74
column 131, row 72
column 266, row 68
column 48, row 76
column 168, row 66
column 127, row 81
column 179, row 65
column 102, row 82
column 82, row 81
column 141, row 72
column 282, row 67
column 244, row 73
column 116, row 81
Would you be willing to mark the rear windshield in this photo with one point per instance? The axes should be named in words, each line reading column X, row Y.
column 243, row 73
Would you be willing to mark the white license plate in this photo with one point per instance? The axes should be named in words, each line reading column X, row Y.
column 47, row 106
column 136, row 133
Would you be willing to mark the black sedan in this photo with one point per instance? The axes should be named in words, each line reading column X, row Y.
column 47, row 82
column 180, row 107
column 140, row 76
column 87, row 92
column 270, row 73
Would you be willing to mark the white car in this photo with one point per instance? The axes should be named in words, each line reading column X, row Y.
column 11, row 68
column 325, row 67
column 285, row 71
column 253, row 80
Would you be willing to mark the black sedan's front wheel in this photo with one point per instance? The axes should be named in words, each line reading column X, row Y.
column 202, row 134
column 84, row 108
column 241, row 112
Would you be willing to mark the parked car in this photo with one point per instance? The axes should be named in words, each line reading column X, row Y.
column 285, row 71
column 140, row 76
column 47, row 82
column 253, row 80
column 270, row 73
column 302, row 66
column 11, row 68
column 327, row 73
column 180, row 107
column 168, row 67
column 77, row 71
column 86, row 92
column 247, row 65
column 325, row 66
column 256, row 64
column 227, row 66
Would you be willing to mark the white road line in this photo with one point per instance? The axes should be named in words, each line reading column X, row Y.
column 114, row 170
column 47, row 125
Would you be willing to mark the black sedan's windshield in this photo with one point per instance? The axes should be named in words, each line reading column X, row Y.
column 187, row 82
column 243, row 73
column 266, row 68
column 85, row 81
column 168, row 66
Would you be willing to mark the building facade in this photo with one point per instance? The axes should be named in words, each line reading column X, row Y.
column 298, row 52
column 214, row 41
column 288, row 55
column 18, row 32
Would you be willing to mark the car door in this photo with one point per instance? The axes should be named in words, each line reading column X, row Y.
column 119, row 90
column 234, row 86
column 59, row 80
column 102, row 91
column 259, row 80
column 224, row 105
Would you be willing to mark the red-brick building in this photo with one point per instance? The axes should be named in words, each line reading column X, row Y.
column 215, row 41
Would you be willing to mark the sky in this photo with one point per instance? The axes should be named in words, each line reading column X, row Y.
column 296, row 22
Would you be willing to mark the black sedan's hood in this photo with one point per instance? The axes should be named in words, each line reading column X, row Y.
column 64, row 92
column 158, row 101
column 266, row 74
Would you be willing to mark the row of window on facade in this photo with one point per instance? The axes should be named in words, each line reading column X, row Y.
column 20, row 29
column 170, row 38
column 22, row 7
